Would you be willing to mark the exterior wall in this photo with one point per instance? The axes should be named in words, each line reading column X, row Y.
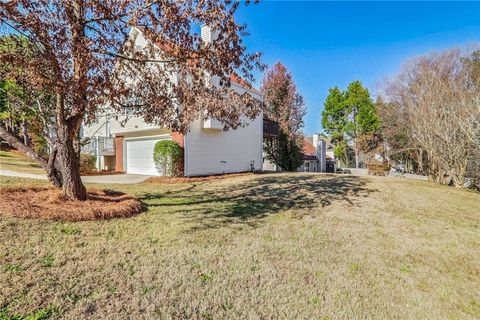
column 329, row 153
column 109, row 162
column 322, row 156
column 146, row 133
column 119, row 153
column 212, row 151
column 215, row 152
column 178, row 138
column 268, row 165
column 309, row 166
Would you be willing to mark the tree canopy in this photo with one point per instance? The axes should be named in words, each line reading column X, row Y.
column 348, row 116
column 285, row 105
column 85, row 57
column 437, row 99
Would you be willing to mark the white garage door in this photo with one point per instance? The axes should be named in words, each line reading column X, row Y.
column 139, row 156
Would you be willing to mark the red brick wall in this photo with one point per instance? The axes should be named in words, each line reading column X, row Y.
column 178, row 138
column 119, row 153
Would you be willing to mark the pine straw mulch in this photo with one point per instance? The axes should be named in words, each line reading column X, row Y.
column 168, row 180
column 48, row 203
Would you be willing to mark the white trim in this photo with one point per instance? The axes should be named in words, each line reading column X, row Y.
column 149, row 137
column 124, row 154
column 254, row 91
column 185, row 166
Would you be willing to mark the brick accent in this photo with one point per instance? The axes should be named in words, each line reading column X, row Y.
column 178, row 138
column 119, row 153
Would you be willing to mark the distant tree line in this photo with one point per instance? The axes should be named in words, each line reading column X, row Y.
column 426, row 119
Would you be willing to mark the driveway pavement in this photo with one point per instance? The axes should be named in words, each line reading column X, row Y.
column 125, row 178
column 105, row 179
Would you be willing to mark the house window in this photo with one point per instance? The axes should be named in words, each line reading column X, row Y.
column 132, row 110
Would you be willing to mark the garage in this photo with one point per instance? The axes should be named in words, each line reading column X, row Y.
column 139, row 155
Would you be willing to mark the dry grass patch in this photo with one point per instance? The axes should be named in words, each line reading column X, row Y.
column 171, row 180
column 271, row 246
column 14, row 160
column 46, row 203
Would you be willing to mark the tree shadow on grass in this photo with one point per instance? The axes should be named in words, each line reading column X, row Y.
column 250, row 201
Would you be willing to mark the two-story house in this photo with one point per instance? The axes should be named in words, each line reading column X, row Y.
column 208, row 149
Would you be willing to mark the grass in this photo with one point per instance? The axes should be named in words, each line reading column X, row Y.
column 285, row 246
column 15, row 162
column 41, row 314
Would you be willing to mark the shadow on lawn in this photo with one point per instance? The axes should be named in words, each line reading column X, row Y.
column 251, row 200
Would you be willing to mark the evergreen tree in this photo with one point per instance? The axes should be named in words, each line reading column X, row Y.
column 349, row 116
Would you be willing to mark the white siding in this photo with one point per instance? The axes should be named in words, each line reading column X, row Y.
column 210, row 151
column 116, row 126
column 216, row 152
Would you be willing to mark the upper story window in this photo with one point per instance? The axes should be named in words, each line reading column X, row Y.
column 131, row 110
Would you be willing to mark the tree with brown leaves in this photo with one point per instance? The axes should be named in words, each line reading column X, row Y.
column 284, row 105
column 92, row 63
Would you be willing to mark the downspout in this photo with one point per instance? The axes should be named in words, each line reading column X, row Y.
column 97, row 152
column 185, row 155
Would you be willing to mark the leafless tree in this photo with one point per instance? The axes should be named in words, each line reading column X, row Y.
column 440, row 100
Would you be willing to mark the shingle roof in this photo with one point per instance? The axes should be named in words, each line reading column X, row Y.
column 308, row 148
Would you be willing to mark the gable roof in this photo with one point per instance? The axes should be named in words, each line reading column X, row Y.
column 308, row 148
column 173, row 48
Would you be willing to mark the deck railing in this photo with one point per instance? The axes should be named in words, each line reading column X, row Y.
column 270, row 128
column 101, row 146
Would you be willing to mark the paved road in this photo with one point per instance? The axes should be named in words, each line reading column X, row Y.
column 106, row 179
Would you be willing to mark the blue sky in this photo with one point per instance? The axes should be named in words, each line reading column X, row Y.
column 328, row 44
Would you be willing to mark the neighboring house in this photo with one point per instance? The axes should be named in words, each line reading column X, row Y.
column 314, row 156
column 208, row 149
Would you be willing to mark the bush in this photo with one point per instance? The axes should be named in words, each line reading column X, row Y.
column 87, row 163
column 168, row 156
column 377, row 168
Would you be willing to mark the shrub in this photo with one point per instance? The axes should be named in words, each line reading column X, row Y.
column 87, row 163
column 377, row 168
column 168, row 156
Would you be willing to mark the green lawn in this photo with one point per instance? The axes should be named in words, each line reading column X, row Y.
column 285, row 246
column 15, row 162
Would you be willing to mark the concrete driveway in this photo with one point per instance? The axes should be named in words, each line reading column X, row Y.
column 125, row 178
column 105, row 179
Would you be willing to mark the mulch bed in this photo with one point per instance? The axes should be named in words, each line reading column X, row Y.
column 167, row 180
column 48, row 203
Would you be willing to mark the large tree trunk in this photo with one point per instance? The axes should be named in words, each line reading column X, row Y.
column 68, row 156
column 357, row 162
